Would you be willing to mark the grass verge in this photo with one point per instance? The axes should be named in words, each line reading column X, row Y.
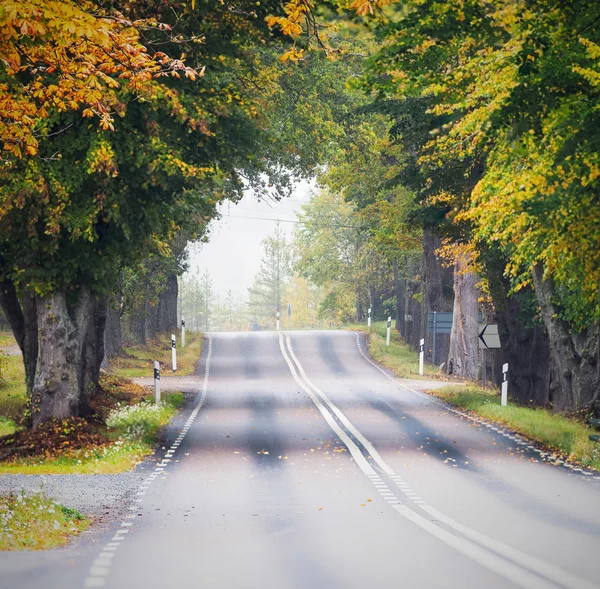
column 122, row 430
column 34, row 522
column 138, row 360
column 7, row 339
column 399, row 357
column 566, row 436
column 13, row 392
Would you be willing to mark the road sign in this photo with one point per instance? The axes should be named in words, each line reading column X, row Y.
column 489, row 338
column 443, row 321
column 439, row 322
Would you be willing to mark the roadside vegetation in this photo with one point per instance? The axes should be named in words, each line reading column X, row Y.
column 399, row 357
column 138, row 360
column 566, row 436
column 122, row 429
column 34, row 522
column 13, row 392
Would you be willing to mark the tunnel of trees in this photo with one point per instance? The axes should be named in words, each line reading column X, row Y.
column 456, row 147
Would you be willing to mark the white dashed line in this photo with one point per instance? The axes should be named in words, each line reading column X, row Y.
column 100, row 567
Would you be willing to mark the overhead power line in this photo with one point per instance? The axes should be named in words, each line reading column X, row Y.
column 295, row 222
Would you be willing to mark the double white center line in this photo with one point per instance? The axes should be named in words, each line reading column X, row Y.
column 520, row 568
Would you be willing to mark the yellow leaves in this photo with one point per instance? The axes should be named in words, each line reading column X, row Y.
column 76, row 57
column 292, row 54
column 366, row 7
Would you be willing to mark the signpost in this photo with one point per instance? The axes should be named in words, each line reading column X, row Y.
column 156, row 381
column 389, row 329
column 173, row 352
column 369, row 318
column 438, row 323
column 504, row 398
column 488, row 339
column 182, row 332
column 421, row 356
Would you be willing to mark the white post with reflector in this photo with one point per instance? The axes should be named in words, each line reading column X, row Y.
column 157, row 381
column 173, row 352
column 369, row 319
column 182, row 332
column 421, row 356
column 277, row 320
column 504, row 398
column 389, row 330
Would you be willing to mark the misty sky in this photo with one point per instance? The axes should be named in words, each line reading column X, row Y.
column 233, row 254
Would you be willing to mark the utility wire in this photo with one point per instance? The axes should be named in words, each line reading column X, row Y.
column 290, row 221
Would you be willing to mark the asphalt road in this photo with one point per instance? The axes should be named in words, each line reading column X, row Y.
column 302, row 465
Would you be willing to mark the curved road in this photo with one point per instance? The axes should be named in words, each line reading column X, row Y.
column 303, row 465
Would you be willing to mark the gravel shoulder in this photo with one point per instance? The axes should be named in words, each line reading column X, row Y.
column 104, row 497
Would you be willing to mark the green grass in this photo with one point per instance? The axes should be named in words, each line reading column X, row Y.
column 34, row 522
column 562, row 434
column 134, row 430
column 7, row 339
column 13, row 392
column 141, row 358
column 399, row 357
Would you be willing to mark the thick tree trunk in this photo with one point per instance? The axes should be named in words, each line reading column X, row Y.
column 463, row 352
column 57, row 389
column 576, row 355
column 437, row 295
column 525, row 346
column 138, row 326
column 93, row 350
column 151, row 320
column 167, row 306
column 113, row 344
column 400, row 292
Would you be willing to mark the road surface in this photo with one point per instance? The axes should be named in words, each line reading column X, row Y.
column 303, row 465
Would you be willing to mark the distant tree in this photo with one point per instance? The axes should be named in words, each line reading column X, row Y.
column 267, row 290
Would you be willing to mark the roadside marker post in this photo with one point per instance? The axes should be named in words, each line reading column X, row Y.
column 182, row 332
column 504, row 398
column 421, row 356
column 277, row 320
column 156, row 381
column 389, row 329
column 369, row 319
column 174, row 352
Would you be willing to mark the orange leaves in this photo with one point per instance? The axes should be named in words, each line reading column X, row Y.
column 366, row 7
column 292, row 54
column 69, row 56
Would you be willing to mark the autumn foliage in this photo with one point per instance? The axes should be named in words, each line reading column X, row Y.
column 61, row 55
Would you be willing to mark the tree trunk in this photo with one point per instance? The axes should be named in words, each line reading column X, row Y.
column 525, row 345
column 23, row 323
column 437, row 295
column 151, row 320
column 462, row 355
column 400, row 292
column 138, row 326
column 167, row 306
column 93, row 351
column 113, row 344
column 576, row 355
column 57, row 389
